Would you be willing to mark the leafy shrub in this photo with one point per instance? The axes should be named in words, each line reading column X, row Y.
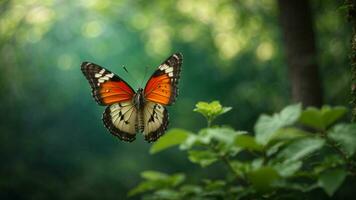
column 280, row 159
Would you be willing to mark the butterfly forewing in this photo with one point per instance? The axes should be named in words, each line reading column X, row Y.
column 162, row 87
column 107, row 87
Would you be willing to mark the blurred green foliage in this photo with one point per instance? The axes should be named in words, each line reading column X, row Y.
column 52, row 141
column 284, row 165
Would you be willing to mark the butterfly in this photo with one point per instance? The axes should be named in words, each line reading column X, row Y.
column 129, row 112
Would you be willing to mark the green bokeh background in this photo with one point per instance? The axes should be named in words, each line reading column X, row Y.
column 52, row 141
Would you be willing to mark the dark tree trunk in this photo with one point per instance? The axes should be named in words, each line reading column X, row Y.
column 297, row 26
column 351, row 8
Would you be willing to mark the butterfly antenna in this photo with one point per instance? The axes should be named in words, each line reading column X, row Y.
column 127, row 71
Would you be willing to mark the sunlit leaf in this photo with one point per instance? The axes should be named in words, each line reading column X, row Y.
column 303, row 187
column 172, row 138
column 157, row 180
column 267, row 126
column 202, row 157
column 222, row 134
column 322, row 118
column 289, row 134
column 141, row 188
column 191, row 189
column 153, row 175
column 167, row 194
column 331, row 180
column 300, row 148
column 345, row 135
column 287, row 169
column 211, row 110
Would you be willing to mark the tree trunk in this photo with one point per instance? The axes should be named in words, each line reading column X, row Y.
column 351, row 8
column 297, row 26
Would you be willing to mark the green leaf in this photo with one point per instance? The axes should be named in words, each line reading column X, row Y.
column 156, row 180
column 191, row 189
column 153, row 175
column 168, row 194
column 345, row 135
column 247, row 142
column 211, row 110
column 141, row 188
column 289, row 134
column 214, row 184
column 204, row 158
column 322, row 118
column 263, row 178
column 266, row 126
column 172, row 138
column 300, row 148
column 222, row 135
column 331, row 180
column 287, row 169
column 329, row 161
column 273, row 149
column 240, row 168
column 303, row 187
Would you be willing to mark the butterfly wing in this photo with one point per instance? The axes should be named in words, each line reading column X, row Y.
column 162, row 87
column 121, row 120
column 161, row 90
column 120, row 117
column 155, row 117
column 107, row 87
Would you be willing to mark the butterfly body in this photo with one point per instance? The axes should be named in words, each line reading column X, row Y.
column 129, row 112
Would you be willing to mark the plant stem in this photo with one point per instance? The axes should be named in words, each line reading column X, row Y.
column 225, row 159
column 209, row 122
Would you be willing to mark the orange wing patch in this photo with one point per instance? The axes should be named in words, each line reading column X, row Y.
column 159, row 89
column 111, row 92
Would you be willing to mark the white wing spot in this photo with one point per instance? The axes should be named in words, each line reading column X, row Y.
column 169, row 70
column 170, row 74
column 163, row 67
column 102, row 71
column 110, row 75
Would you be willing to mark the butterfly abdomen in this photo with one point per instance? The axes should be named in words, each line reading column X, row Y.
column 139, row 126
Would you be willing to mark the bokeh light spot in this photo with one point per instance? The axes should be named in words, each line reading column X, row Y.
column 265, row 51
column 92, row 29
column 39, row 15
column 65, row 62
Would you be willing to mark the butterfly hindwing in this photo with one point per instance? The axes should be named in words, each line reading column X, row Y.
column 162, row 87
column 121, row 120
column 107, row 87
column 155, row 117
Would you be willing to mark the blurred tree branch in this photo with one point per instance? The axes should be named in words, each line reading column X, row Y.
column 351, row 16
column 297, row 26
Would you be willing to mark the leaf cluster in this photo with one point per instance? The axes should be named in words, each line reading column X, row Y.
column 290, row 153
